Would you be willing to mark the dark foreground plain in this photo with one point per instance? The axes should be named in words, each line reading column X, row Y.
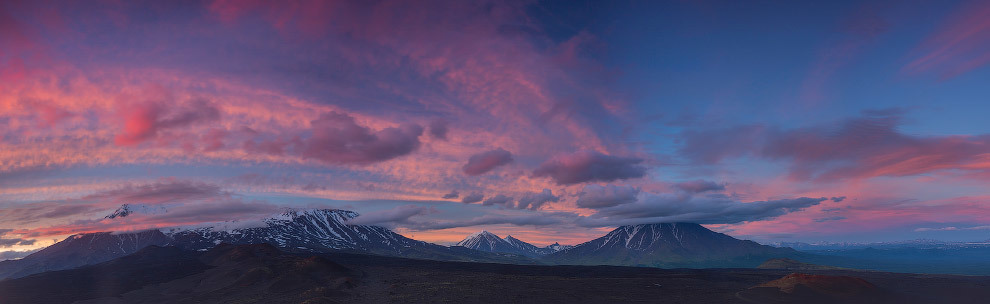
column 263, row 274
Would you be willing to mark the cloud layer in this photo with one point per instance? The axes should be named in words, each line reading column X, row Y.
column 595, row 196
column 667, row 208
column 862, row 147
column 587, row 166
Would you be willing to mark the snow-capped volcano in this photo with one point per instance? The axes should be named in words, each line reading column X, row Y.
column 312, row 229
column 485, row 241
column 669, row 245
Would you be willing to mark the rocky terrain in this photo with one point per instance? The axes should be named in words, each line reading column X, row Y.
column 263, row 274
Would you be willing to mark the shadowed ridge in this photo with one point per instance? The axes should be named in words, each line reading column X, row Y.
column 82, row 249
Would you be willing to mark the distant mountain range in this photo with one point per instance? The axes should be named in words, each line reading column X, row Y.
column 487, row 241
column 668, row 245
column 326, row 230
column 918, row 243
column 314, row 230
column 655, row 245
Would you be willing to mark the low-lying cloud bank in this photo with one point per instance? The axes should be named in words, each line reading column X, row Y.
column 613, row 205
column 195, row 203
column 14, row 254
column 186, row 202
column 716, row 209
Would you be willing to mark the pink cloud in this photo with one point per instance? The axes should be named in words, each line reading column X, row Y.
column 142, row 122
column 390, row 217
column 47, row 112
column 484, row 162
column 534, row 201
column 857, row 32
column 872, row 213
column 958, row 46
column 861, row 147
column 182, row 203
column 497, row 77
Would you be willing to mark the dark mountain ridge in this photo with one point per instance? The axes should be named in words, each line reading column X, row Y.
column 82, row 249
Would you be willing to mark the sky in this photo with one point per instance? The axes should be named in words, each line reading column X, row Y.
column 552, row 121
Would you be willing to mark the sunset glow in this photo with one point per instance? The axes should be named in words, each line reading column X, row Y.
column 548, row 121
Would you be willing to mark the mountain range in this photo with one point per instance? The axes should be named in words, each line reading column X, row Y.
column 311, row 230
column 666, row 245
column 917, row 243
column 327, row 230
column 487, row 241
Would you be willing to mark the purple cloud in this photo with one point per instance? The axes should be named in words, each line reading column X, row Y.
column 586, row 166
column 6, row 243
column 490, row 219
column 10, row 255
column 472, row 198
column 595, row 196
column 338, row 139
column 484, row 162
column 34, row 212
column 712, row 209
column 397, row 215
column 498, row 200
column 157, row 193
column 438, row 129
column 533, row 201
column 451, row 195
column 218, row 210
column 699, row 186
